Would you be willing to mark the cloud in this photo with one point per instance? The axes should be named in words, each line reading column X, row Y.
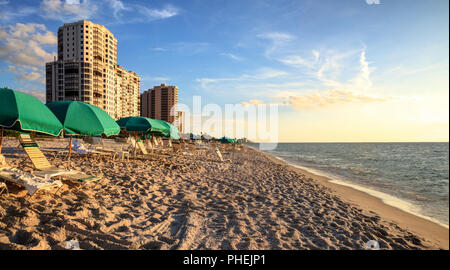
column 232, row 56
column 23, row 47
column 277, row 41
column 151, row 14
column 330, row 98
column 252, row 102
column 158, row 49
column 362, row 81
column 260, row 74
column 118, row 7
column 372, row 2
column 9, row 14
column 68, row 10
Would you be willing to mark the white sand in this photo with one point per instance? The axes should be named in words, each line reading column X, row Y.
column 189, row 202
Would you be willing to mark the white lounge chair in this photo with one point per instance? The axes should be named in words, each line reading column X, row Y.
column 46, row 170
column 31, row 182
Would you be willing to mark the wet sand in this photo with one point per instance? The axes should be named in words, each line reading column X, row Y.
column 198, row 202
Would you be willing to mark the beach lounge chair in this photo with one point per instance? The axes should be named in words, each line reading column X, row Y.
column 31, row 182
column 82, row 150
column 46, row 170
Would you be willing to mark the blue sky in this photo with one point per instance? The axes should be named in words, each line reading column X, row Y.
column 385, row 61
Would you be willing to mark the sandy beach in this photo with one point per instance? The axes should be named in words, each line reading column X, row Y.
column 197, row 202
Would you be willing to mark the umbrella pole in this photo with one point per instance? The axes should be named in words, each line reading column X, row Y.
column 135, row 145
column 1, row 139
column 70, row 150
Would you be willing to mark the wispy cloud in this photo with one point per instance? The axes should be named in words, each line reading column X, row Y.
column 184, row 47
column 118, row 6
column 9, row 14
column 331, row 98
column 277, row 40
column 232, row 56
column 261, row 74
column 67, row 10
column 158, row 49
column 373, row 2
column 252, row 102
column 151, row 14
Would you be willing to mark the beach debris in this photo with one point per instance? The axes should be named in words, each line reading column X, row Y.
column 372, row 245
column 73, row 245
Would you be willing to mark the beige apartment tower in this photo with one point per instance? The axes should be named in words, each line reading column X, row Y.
column 157, row 103
column 86, row 70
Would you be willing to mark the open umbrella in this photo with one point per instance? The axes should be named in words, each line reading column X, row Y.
column 174, row 133
column 227, row 140
column 144, row 125
column 79, row 118
column 23, row 112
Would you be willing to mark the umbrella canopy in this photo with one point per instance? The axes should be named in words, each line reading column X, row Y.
column 174, row 133
column 227, row 140
column 23, row 112
column 145, row 125
column 79, row 118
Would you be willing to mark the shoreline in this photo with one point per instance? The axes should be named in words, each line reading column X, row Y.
column 384, row 197
column 424, row 227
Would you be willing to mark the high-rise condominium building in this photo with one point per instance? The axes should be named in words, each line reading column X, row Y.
column 158, row 102
column 86, row 70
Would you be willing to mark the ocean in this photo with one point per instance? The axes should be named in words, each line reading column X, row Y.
column 411, row 176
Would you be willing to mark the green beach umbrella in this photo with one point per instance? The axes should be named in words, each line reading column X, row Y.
column 79, row 118
column 227, row 140
column 140, row 124
column 174, row 133
column 23, row 112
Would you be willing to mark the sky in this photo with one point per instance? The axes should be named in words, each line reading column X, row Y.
column 339, row 71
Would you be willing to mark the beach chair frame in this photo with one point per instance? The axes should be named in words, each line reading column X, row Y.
column 42, row 164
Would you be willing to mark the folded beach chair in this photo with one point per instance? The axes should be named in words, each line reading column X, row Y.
column 46, row 170
column 220, row 156
column 3, row 188
column 31, row 182
column 141, row 147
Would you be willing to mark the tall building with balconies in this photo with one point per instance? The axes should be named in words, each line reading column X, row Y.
column 158, row 103
column 86, row 70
